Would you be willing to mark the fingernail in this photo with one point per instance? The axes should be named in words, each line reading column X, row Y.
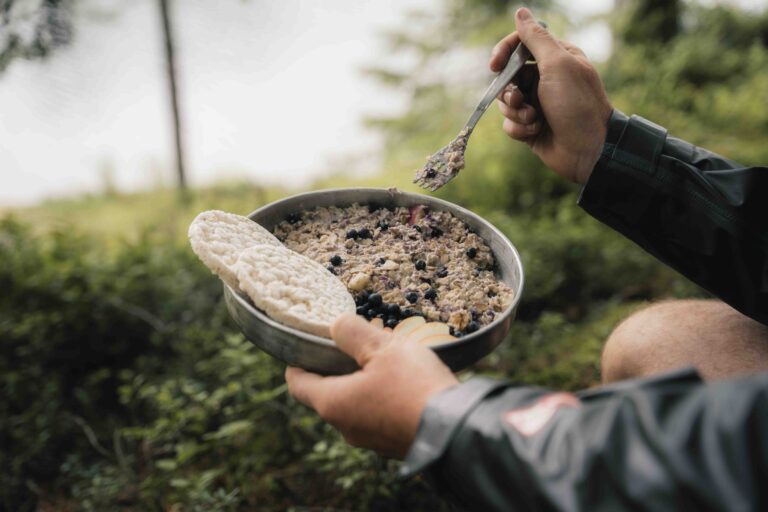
column 494, row 51
column 507, row 97
column 523, row 113
column 524, row 14
column 531, row 128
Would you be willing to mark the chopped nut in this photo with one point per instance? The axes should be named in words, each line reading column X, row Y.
column 359, row 282
column 459, row 319
column 390, row 265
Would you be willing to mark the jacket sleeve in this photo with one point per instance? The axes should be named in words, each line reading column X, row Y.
column 667, row 443
column 701, row 214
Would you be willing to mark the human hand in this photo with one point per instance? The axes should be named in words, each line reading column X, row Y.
column 570, row 135
column 379, row 406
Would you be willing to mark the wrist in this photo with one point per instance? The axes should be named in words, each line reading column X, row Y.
column 587, row 160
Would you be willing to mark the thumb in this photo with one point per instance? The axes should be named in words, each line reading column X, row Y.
column 535, row 37
column 358, row 338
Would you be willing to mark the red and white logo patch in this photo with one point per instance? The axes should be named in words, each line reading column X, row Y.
column 530, row 420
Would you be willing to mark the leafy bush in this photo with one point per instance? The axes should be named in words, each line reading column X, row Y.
column 128, row 387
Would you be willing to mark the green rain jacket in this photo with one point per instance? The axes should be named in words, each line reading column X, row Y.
column 671, row 442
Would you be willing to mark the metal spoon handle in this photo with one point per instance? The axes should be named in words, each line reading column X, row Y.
column 515, row 63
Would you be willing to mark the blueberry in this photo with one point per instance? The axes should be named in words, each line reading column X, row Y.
column 459, row 334
column 393, row 310
column 371, row 314
column 412, row 297
column 382, row 225
column 390, row 322
column 421, row 265
column 293, row 218
column 364, row 233
column 436, row 233
column 491, row 294
column 431, row 173
column 374, row 300
column 417, row 228
column 472, row 327
column 451, row 330
column 425, row 280
column 471, row 252
column 331, row 269
column 361, row 299
column 361, row 310
column 352, row 234
column 406, row 313
column 430, row 294
column 336, row 260
column 442, row 272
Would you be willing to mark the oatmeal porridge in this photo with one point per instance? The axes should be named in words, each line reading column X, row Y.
column 402, row 262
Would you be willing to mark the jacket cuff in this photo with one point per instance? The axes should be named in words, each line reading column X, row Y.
column 440, row 420
column 632, row 143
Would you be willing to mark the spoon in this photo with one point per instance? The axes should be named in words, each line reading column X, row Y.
column 444, row 165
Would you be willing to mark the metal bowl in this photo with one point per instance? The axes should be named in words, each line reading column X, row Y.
column 320, row 355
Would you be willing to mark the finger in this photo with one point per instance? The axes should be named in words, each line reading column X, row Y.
column 512, row 96
column 503, row 49
column 521, row 132
column 320, row 393
column 526, row 114
column 358, row 338
column 538, row 39
column 303, row 385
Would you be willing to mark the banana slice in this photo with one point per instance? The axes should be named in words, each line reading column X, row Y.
column 408, row 325
column 429, row 329
column 436, row 339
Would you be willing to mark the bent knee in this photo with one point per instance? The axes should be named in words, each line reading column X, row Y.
column 707, row 334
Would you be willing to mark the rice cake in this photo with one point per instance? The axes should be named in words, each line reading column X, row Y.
column 292, row 288
column 219, row 237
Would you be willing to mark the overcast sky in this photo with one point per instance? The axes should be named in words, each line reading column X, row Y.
column 271, row 91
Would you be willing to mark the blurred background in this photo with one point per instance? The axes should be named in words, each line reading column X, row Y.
column 125, row 385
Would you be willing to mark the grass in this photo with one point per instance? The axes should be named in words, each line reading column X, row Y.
column 127, row 215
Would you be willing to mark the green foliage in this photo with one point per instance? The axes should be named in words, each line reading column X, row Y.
column 707, row 85
column 126, row 386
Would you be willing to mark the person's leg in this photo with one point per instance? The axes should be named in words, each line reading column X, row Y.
column 710, row 335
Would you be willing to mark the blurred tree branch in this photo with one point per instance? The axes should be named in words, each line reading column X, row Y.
column 32, row 29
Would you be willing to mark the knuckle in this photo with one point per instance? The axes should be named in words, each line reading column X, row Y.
column 587, row 69
column 563, row 60
column 539, row 31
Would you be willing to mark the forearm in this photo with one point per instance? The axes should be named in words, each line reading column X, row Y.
column 698, row 212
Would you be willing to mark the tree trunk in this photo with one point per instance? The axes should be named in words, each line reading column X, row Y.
column 170, row 61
